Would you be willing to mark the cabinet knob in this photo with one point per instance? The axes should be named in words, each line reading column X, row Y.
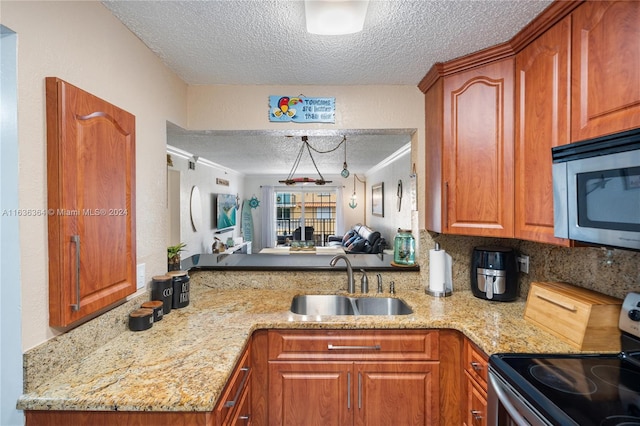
column 477, row 415
column 477, row 367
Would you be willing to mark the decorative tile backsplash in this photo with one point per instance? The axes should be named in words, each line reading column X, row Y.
column 614, row 272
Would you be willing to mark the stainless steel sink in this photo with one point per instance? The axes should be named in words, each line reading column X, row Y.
column 382, row 306
column 320, row 304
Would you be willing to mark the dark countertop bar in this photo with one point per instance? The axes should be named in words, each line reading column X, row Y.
column 292, row 262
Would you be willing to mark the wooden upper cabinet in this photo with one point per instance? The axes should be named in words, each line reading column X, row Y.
column 542, row 122
column 478, row 139
column 605, row 92
column 91, row 199
column 433, row 158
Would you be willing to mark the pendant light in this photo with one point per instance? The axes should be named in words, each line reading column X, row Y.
column 345, row 170
column 290, row 180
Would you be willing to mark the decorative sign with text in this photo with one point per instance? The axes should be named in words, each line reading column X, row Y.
column 302, row 110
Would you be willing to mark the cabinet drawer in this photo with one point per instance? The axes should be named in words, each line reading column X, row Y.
column 234, row 393
column 476, row 414
column 242, row 415
column 353, row 344
column 475, row 364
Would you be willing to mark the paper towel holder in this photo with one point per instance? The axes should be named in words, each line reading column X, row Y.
column 446, row 293
column 447, row 288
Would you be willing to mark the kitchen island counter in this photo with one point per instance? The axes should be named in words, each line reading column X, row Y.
column 184, row 361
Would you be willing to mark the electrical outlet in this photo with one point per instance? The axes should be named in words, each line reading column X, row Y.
column 523, row 263
column 140, row 276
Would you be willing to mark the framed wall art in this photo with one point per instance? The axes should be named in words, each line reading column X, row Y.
column 377, row 199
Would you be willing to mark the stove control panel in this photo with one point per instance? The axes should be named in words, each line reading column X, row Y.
column 630, row 314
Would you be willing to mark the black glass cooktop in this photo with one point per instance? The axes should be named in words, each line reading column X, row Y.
column 598, row 390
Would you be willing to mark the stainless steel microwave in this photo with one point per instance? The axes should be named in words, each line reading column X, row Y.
column 596, row 190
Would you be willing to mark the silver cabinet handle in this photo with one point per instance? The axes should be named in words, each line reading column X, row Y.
column 237, row 395
column 476, row 414
column 359, row 390
column 245, row 418
column 351, row 348
column 349, row 391
column 477, row 367
column 76, row 240
column 446, row 205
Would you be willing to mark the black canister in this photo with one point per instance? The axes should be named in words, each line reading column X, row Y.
column 162, row 289
column 156, row 306
column 180, row 288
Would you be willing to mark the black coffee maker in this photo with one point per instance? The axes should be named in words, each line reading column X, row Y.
column 494, row 273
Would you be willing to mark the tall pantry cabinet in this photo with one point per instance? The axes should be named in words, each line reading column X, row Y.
column 91, row 201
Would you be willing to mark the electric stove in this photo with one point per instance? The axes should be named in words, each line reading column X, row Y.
column 570, row 389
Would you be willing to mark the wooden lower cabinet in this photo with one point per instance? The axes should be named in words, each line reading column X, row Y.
column 399, row 393
column 358, row 393
column 475, row 385
column 333, row 378
column 310, row 393
column 364, row 377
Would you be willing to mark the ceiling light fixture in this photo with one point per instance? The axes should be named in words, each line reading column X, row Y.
column 290, row 180
column 345, row 170
column 335, row 17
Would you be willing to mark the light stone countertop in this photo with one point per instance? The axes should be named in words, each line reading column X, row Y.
column 183, row 362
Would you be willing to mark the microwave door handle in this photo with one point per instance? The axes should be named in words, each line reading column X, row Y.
column 504, row 400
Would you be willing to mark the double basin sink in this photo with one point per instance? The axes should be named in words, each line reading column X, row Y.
column 321, row 304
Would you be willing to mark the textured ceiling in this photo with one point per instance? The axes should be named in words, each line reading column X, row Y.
column 265, row 42
column 274, row 152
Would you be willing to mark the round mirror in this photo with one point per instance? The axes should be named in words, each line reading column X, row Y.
column 196, row 208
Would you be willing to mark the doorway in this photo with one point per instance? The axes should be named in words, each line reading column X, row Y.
column 10, row 292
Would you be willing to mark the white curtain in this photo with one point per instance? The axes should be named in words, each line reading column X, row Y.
column 339, row 212
column 268, row 237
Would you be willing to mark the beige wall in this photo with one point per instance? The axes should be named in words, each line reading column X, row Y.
column 82, row 43
column 357, row 107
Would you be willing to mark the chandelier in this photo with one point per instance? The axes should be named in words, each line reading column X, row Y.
column 290, row 180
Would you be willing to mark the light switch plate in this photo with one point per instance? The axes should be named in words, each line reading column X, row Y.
column 140, row 276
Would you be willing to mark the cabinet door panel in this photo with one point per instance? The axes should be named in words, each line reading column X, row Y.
column 91, row 193
column 308, row 394
column 605, row 91
column 542, row 122
column 400, row 394
column 478, row 151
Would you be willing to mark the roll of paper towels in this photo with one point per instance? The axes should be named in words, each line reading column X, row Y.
column 440, row 275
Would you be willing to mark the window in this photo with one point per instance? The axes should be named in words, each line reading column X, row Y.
column 305, row 208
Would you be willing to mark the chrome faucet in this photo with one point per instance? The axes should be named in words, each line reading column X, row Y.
column 351, row 287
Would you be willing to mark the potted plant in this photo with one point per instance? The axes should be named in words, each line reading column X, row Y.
column 173, row 254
